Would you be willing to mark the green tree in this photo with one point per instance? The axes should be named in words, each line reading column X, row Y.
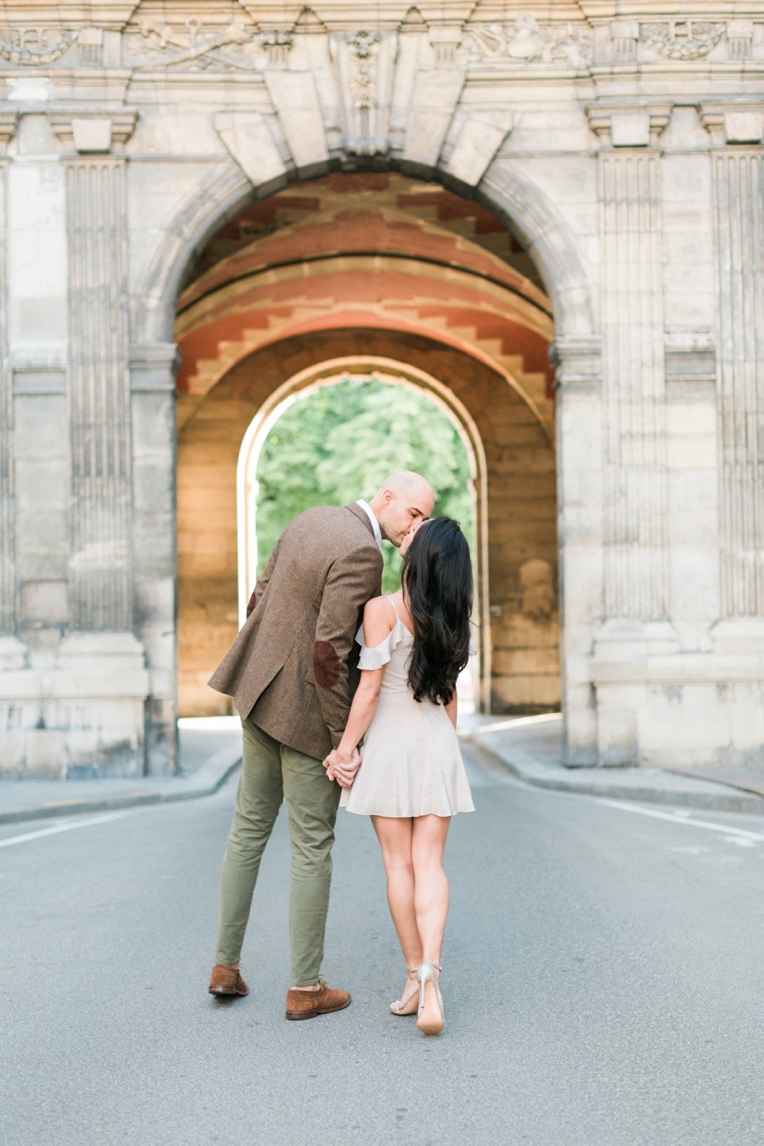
column 340, row 443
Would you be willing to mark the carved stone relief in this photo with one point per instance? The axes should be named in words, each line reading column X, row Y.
column 364, row 61
column 90, row 44
column 526, row 41
column 157, row 44
column 152, row 42
column 623, row 36
column 681, row 39
column 740, row 39
column 276, row 46
column 34, row 46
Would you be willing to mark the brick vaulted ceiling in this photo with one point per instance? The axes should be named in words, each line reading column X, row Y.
column 373, row 251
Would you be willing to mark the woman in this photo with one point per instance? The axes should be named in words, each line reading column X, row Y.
column 412, row 777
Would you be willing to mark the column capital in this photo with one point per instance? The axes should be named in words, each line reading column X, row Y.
column 577, row 360
column 95, row 132
column 732, row 122
column 9, row 121
column 628, row 124
column 153, row 366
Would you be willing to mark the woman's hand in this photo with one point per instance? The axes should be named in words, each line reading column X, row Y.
column 341, row 767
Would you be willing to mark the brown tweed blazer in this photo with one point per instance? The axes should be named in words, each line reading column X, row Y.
column 293, row 668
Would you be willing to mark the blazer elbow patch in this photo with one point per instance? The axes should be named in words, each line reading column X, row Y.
column 326, row 664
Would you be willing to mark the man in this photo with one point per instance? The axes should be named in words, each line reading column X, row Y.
column 292, row 672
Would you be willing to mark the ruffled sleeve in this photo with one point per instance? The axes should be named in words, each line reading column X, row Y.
column 379, row 655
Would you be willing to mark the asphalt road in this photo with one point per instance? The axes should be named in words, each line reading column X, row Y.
column 602, row 983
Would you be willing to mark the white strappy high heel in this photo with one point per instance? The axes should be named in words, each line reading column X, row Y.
column 431, row 1018
column 409, row 1005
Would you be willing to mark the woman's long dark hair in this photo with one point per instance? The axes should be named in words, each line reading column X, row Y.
column 437, row 588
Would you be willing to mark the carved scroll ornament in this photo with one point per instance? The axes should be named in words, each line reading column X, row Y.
column 364, row 61
column 681, row 40
column 526, row 41
column 31, row 47
column 159, row 44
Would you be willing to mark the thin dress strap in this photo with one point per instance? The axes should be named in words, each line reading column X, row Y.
column 387, row 598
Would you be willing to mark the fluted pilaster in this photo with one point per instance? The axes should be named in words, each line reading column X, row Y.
column 7, row 547
column 99, row 397
column 739, row 210
column 636, row 565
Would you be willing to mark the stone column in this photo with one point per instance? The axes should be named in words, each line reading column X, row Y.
column 100, row 657
column 100, row 585
column 37, row 286
column 636, row 602
column 738, row 185
column 7, row 547
column 12, row 650
column 636, row 560
column 152, row 386
column 578, row 382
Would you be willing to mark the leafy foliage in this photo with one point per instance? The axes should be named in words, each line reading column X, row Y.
column 340, row 442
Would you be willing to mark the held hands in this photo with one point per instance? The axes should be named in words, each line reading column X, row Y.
column 341, row 767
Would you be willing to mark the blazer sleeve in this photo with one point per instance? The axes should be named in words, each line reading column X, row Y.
column 262, row 580
column 353, row 580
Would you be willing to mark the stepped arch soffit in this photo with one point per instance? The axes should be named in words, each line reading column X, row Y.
column 422, row 279
column 226, row 190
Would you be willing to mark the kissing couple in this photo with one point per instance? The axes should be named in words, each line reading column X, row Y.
column 334, row 714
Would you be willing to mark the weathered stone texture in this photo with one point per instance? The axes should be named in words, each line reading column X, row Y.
column 521, row 507
column 603, row 173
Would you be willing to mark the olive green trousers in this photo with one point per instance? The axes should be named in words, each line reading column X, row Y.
column 272, row 772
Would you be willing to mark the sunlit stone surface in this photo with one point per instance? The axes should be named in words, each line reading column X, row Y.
column 553, row 222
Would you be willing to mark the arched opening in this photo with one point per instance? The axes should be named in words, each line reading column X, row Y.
column 388, row 374
column 364, row 274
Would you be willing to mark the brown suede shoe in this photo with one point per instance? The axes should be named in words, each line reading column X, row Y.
column 308, row 1004
column 227, row 981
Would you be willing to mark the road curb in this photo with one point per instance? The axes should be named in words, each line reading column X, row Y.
column 524, row 767
column 209, row 778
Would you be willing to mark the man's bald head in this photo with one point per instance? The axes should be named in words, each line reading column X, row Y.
column 401, row 501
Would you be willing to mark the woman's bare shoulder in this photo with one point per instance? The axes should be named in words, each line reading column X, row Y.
column 378, row 605
column 378, row 620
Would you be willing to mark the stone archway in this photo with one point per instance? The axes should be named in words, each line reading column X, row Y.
column 392, row 372
column 340, row 284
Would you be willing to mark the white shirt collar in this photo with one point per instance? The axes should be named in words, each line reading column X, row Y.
column 374, row 523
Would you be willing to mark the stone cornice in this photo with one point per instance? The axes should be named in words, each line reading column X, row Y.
column 111, row 15
column 733, row 121
column 599, row 11
column 577, row 360
column 94, row 132
column 8, row 125
column 629, row 124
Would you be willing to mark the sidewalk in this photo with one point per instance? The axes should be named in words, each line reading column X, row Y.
column 527, row 746
column 210, row 749
column 531, row 748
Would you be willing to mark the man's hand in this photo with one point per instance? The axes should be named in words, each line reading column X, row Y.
column 341, row 767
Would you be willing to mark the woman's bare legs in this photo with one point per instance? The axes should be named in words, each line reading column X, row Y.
column 417, row 888
column 395, row 837
column 428, row 843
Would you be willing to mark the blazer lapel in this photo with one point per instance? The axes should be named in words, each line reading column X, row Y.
column 362, row 516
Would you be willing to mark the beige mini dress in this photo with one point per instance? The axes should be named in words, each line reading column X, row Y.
column 411, row 762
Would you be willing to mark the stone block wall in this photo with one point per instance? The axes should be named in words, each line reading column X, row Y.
column 621, row 145
column 521, row 513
